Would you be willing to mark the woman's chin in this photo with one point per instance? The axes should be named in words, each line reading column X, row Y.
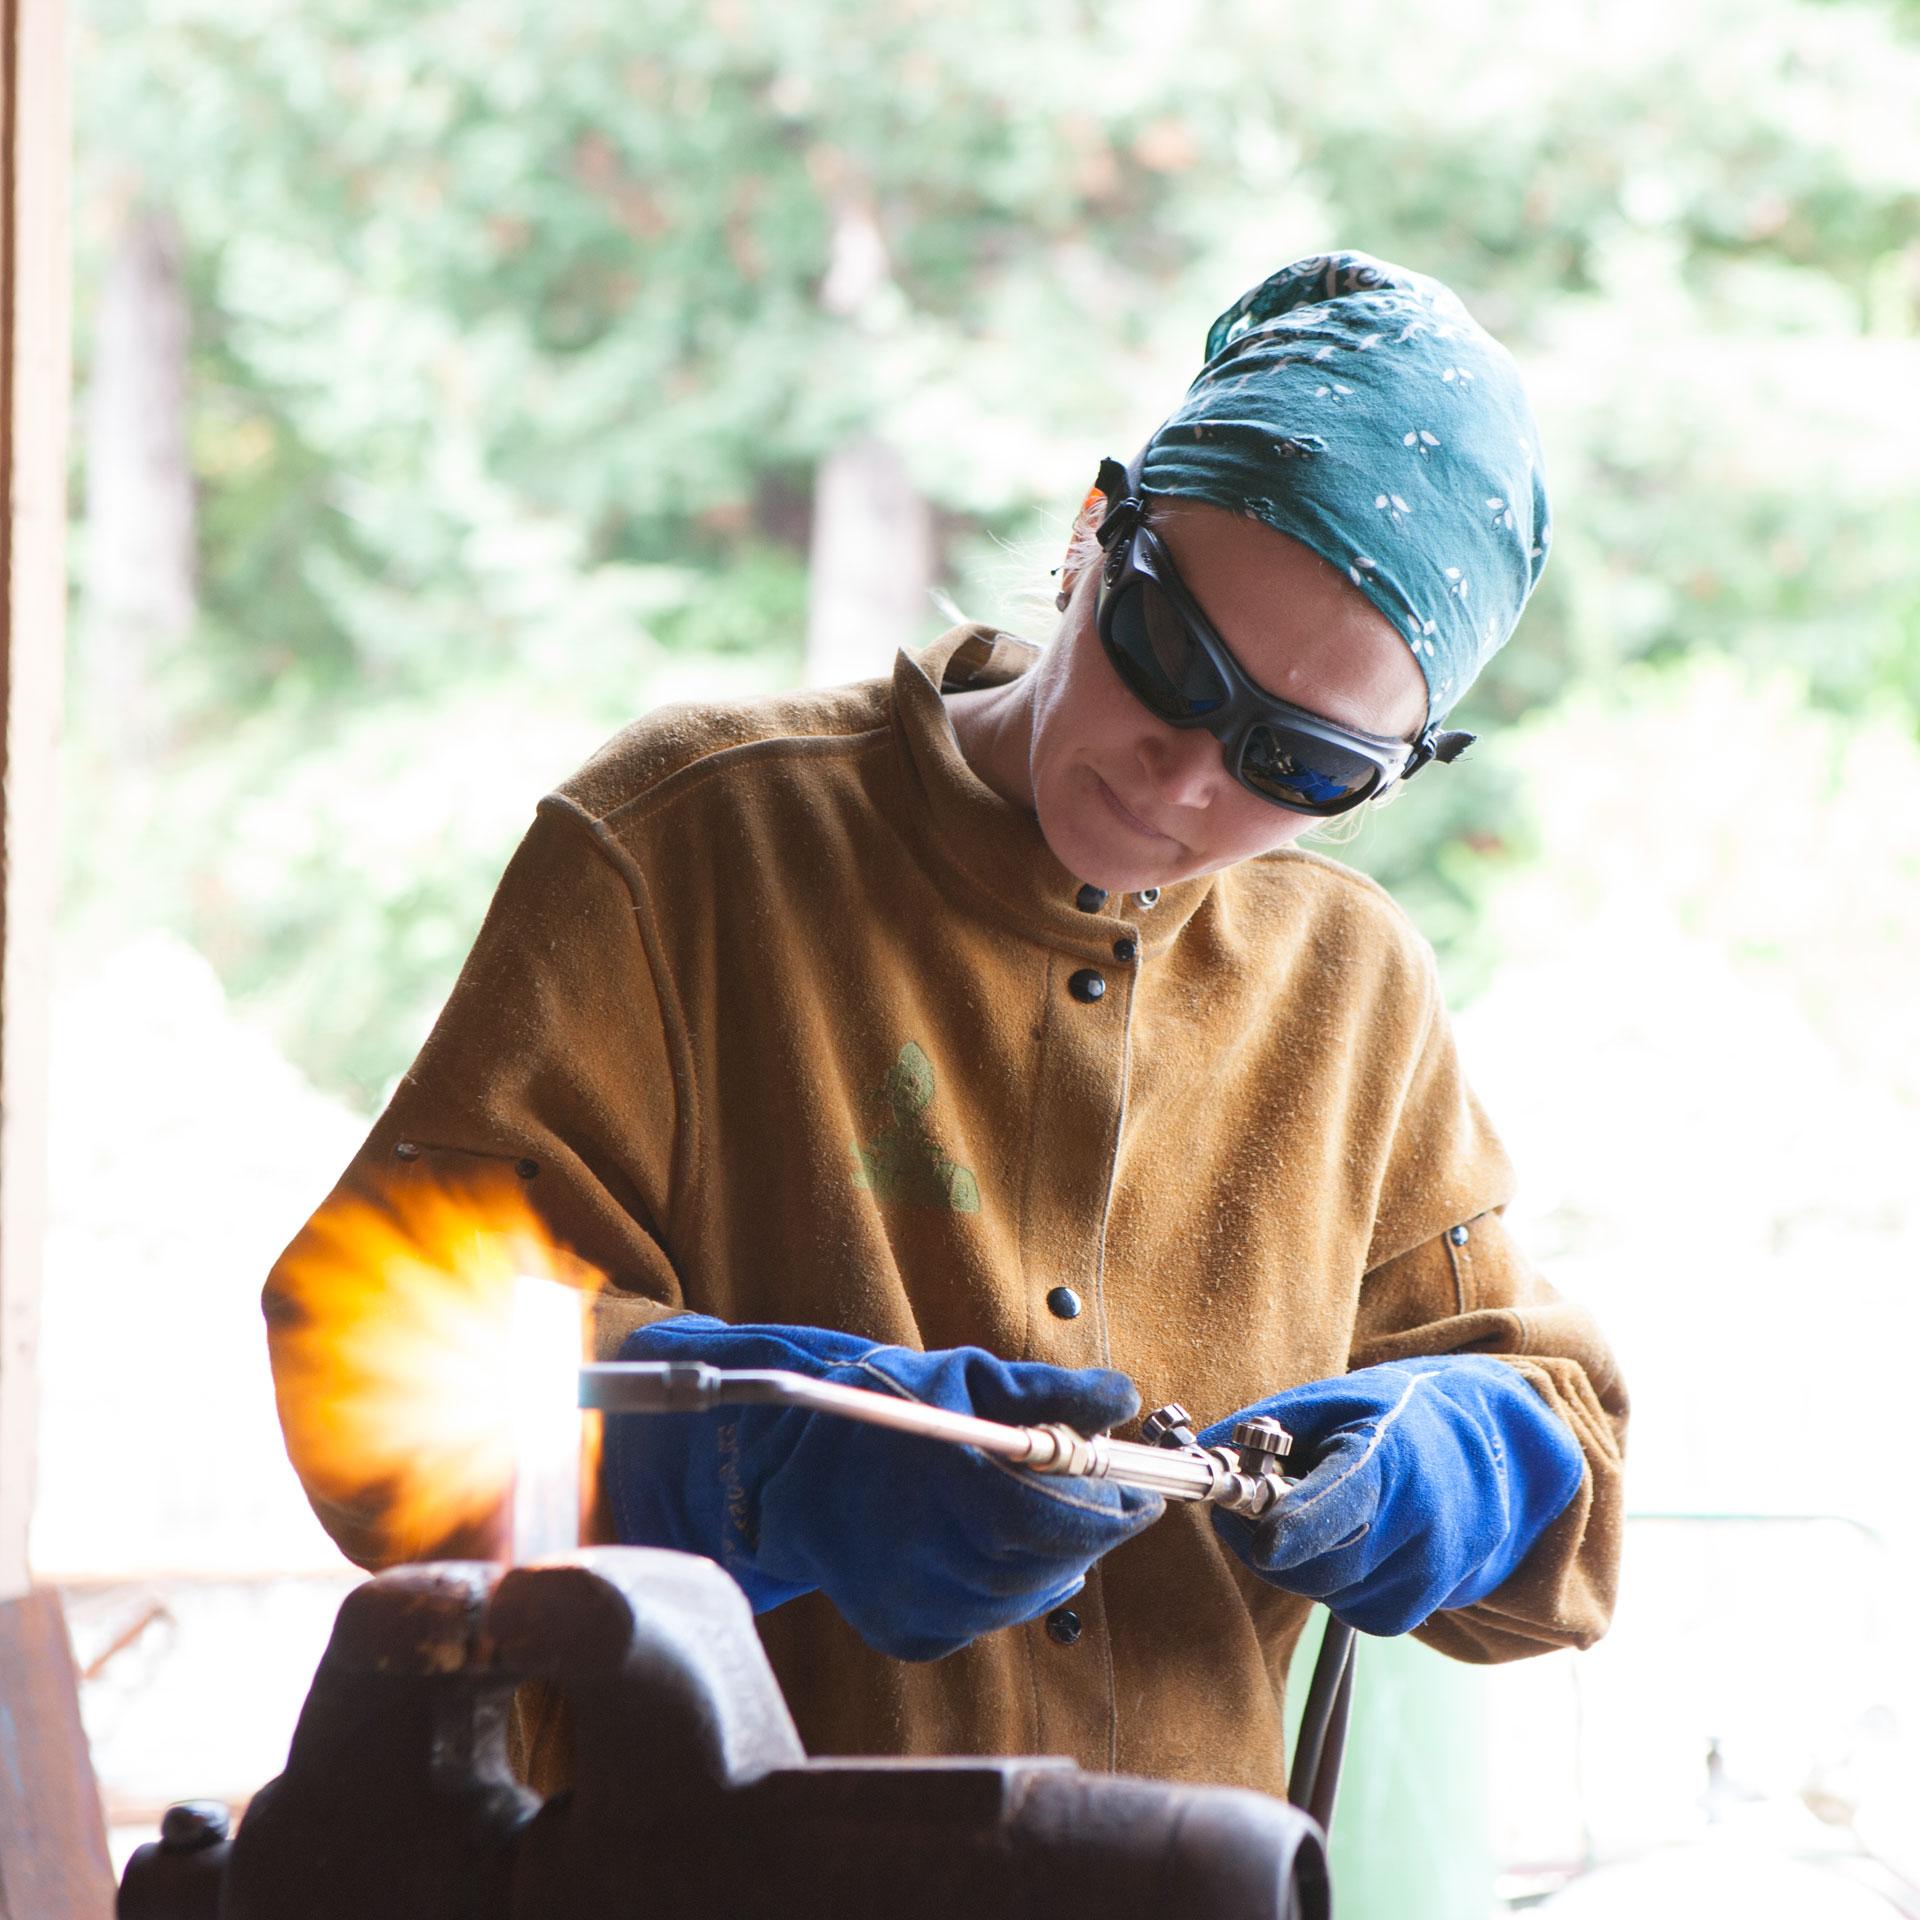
column 1090, row 850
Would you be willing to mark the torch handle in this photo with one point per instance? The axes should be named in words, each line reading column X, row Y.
column 1216, row 1475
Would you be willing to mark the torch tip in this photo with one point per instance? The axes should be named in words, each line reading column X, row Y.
column 650, row 1386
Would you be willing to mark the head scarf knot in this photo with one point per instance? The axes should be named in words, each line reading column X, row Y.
column 1359, row 408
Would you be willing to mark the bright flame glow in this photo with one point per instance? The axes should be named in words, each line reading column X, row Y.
column 403, row 1369
column 546, row 1420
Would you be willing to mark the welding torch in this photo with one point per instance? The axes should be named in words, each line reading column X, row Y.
column 1243, row 1478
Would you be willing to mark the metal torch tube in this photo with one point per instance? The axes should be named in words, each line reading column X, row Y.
column 647, row 1387
column 1020, row 1444
column 683, row 1387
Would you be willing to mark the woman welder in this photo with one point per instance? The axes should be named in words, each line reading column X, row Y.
column 979, row 1034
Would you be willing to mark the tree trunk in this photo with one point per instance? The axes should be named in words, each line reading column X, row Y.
column 871, row 564
column 871, row 558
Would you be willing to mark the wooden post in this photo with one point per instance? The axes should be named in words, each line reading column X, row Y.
column 53, row 1850
column 53, row 1840
column 34, row 376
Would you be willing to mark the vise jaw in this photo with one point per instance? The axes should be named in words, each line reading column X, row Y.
column 692, row 1797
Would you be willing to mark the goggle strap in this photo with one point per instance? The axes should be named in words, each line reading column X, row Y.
column 1445, row 746
column 1123, row 509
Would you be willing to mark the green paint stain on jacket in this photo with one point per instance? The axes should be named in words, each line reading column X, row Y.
column 903, row 1164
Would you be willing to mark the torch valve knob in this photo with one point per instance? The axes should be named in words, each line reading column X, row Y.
column 1262, row 1443
column 1168, row 1426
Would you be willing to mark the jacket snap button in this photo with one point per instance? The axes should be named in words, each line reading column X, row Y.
column 1086, row 985
column 1125, row 947
column 1063, row 1303
column 1149, row 897
column 1090, row 899
column 405, row 1150
column 1064, row 1625
column 1458, row 1235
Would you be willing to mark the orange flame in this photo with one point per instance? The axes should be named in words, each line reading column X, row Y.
column 399, row 1354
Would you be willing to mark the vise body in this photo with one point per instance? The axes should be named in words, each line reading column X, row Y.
column 692, row 1797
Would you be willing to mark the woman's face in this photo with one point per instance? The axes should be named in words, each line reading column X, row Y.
column 1128, row 802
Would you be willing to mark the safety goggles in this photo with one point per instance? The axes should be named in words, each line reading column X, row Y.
column 1171, row 660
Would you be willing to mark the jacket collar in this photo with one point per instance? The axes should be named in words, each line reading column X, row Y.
column 994, row 849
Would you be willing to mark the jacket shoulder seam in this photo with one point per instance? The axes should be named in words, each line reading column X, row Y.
column 1365, row 883
column 682, row 781
column 685, row 1162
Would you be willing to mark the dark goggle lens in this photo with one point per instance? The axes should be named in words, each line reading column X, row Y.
column 1308, row 774
column 1156, row 656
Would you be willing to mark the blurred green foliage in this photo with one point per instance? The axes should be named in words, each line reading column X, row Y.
column 513, row 362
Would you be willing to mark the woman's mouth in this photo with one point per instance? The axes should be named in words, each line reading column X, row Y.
column 1127, row 817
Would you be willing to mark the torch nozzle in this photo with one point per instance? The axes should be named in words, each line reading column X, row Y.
column 652, row 1386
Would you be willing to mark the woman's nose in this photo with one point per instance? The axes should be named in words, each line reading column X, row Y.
column 1182, row 764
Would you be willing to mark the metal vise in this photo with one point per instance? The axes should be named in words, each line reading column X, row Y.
column 693, row 1798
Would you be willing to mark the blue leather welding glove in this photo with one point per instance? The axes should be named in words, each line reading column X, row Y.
column 1429, row 1481
column 922, row 1545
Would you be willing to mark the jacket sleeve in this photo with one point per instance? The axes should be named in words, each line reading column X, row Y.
column 550, row 1072
column 1448, row 1277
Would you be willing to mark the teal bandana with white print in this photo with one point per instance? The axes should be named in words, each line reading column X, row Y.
column 1358, row 407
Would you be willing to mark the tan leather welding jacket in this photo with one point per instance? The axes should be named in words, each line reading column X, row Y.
column 783, row 1015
